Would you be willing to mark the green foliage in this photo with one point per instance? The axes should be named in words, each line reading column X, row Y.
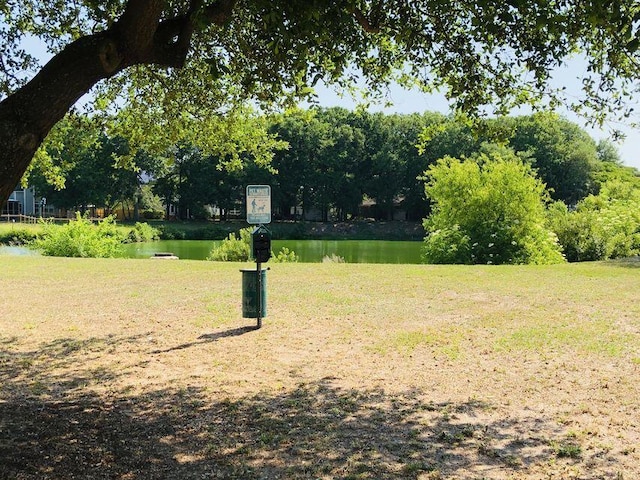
column 17, row 236
column 563, row 155
column 487, row 210
column 150, row 205
column 168, row 232
column 602, row 226
column 237, row 248
column 81, row 238
column 485, row 53
column 566, row 449
column 285, row 256
column 580, row 233
column 447, row 245
column 195, row 231
column 143, row 232
column 234, row 248
column 66, row 144
column 335, row 159
column 152, row 214
column 194, row 80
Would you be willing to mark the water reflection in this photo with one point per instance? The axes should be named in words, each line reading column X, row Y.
column 353, row 251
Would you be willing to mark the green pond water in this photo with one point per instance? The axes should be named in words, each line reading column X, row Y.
column 353, row 251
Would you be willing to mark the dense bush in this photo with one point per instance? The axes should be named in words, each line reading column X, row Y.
column 489, row 209
column 143, row 232
column 81, row 238
column 16, row 237
column 237, row 248
column 152, row 214
column 168, row 232
column 602, row 226
column 447, row 245
column 209, row 232
column 233, row 248
column 184, row 231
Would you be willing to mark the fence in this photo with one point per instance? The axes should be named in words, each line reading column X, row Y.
column 18, row 218
column 29, row 219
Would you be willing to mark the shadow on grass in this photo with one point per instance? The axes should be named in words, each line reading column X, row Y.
column 630, row 262
column 210, row 337
column 316, row 430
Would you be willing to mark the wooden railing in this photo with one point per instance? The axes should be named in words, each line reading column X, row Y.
column 18, row 218
column 31, row 219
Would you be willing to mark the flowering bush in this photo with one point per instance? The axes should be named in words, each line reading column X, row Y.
column 489, row 209
column 602, row 226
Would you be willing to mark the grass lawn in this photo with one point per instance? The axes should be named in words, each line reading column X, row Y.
column 144, row 369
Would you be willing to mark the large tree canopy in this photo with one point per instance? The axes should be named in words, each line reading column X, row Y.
column 175, row 62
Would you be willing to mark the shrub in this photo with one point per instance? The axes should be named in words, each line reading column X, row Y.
column 209, row 232
column 284, row 256
column 17, row 237
column 81, row 238
column 153, row 214
column 447, row 245
column 143, row 232
column 233, row 248
column 600, row 228
column 489, row 209
column 168, row 232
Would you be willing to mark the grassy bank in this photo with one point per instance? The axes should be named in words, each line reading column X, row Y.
column 10, row 232
column 360, row 230
column 145, row 369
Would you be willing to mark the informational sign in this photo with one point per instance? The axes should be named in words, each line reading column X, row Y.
column 258, row 204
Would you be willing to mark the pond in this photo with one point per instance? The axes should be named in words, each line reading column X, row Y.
column 353, row 251
column 16, row 251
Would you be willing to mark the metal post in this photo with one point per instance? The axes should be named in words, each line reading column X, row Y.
column 259, row 271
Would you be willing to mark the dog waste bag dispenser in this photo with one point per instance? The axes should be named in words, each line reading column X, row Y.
column 261, row 240
column 254, row 282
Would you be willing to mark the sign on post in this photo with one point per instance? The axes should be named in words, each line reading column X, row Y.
column 258, row 204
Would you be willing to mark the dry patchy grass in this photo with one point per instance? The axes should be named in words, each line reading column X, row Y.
column 138, row 369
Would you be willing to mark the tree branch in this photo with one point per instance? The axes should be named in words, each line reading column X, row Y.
column 364, row 22
column 136, row 29
column 173, row 36
column 220, row 12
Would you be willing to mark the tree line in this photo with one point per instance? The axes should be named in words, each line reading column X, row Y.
column 324, row 160
column 168, row 67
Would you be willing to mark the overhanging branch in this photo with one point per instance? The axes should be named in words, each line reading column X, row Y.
column 363, row 21
column 219, row 12
column 172, row 39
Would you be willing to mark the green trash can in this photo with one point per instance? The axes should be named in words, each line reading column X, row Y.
column 250, row 293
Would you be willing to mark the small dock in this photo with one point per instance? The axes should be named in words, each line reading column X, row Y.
column 165, row 256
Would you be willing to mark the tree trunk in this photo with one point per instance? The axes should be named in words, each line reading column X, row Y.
column 138, row 37
column 27, row 116
column 136, row 210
